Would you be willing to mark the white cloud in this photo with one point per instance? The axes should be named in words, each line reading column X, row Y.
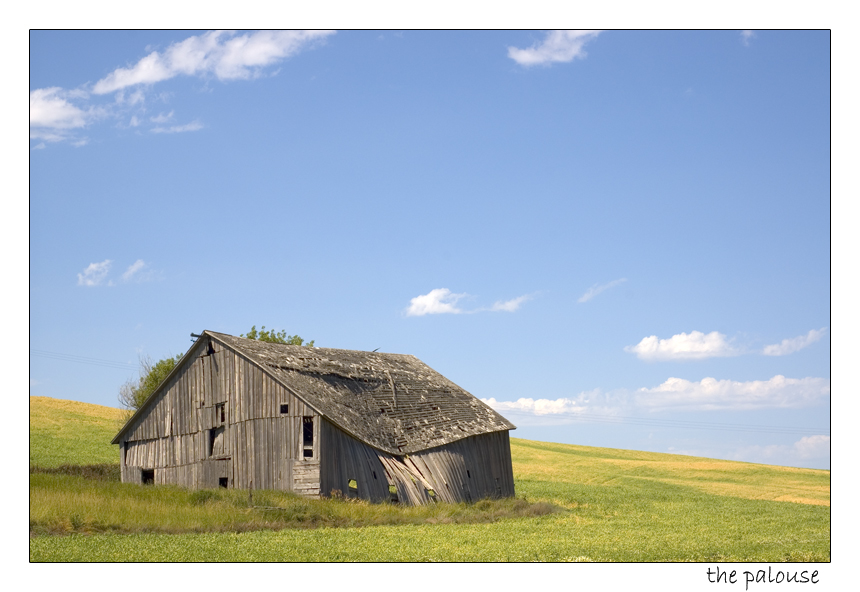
column 223, row 54
column 813, row 446
column 133, row 269
column 789, row 346
column 537, row 406
column 443, row 301
column 162, row 117
column 711, row 394
column 695, row 346
column 597, row 289
column 746, row 35
column 510, row 305
column 175, row 129
column 675, row 394
column 558, row 46
column 94, row 274
column 49, row 108
column 797, row 454
column 438, row 301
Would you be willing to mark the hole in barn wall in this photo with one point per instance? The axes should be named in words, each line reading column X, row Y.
column 392, row 494
column 147, row 476
column 220, row 412
column 285, row 408
column 374, row 474
column 308, row 436
column 352, row 488
column 222, row 482
column 468, row 474
column 213, row 438
column 308, row 431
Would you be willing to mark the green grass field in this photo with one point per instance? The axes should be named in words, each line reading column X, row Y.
column 575, row 504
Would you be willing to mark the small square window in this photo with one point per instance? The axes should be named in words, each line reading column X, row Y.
column 285, row 408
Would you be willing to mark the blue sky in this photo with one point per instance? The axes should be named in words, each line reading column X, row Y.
column 618, row 239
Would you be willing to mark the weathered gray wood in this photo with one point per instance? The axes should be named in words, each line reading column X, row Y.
column 256, row 443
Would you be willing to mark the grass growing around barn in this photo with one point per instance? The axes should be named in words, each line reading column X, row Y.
column 62, row 504
column 615, row 505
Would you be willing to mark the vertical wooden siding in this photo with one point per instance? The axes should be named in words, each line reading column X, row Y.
column 466, row 470
column 262, row 444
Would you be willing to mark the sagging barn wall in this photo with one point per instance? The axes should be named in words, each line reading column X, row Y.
column 465, row 470
column 221, row 418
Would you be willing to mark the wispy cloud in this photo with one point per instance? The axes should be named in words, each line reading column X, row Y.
column 693, row 346
column 789, row 346
column 94, row 274
column 746, row 36
column 162, row 117
column 443, row 301
column 222, row 54
column 557, row 46
column 177, row 129
column 598, row 288
column 510, row 305
column 140, row 272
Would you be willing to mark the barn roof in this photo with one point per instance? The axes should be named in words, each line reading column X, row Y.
column 393, row 402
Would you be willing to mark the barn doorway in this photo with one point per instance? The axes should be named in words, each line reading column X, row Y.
column 147, row 476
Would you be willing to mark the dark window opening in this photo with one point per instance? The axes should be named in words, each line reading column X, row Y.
column 308, row 436
column 468, row 474
column 220, row 412
column 222, row 482
column 147, row 476
column 308, row 425
column 210, row 349
column 374, row 474
column 214, row 439
column 285, row 408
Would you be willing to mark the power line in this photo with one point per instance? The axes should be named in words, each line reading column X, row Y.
column 82, row 360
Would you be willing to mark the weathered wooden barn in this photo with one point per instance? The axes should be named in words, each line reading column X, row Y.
column 247, row 414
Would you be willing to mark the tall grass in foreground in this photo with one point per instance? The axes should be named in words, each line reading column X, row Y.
column 62, row 504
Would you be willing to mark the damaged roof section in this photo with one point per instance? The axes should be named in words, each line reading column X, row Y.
column 392, row 402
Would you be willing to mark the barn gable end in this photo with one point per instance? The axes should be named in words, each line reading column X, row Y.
column 241, row 413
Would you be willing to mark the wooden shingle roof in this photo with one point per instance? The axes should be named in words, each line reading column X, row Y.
column 392, row 402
